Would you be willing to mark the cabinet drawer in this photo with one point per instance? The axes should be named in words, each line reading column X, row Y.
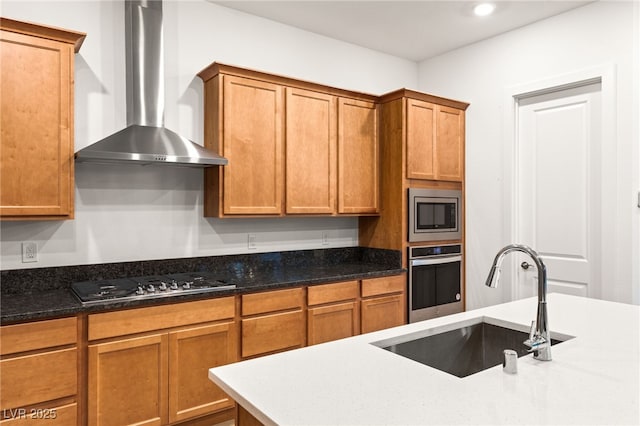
column 328, row 293
column 272, row 333
column 37, row 378
column 384, row 285
column 379, row 313
column 280, row 300
column 66, row 415
column 139, row 320
column 37, row 335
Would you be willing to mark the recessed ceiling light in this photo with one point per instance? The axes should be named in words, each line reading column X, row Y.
column 484, row 9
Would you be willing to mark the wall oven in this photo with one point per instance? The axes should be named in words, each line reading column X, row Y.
column 435, row 281
column 434, row 214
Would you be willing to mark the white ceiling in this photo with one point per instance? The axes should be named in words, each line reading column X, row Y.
column 414, row 30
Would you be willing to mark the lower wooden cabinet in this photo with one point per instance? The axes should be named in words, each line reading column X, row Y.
column 333, row 312
column 192, row 352
column 149, row 366
column 39, row 373
column 64, row 415
column 383, row 303
column 160, row 377
column 379, row 313
column 128, row 381
column 272, row 321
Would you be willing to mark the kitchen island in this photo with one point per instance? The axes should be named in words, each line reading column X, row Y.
column 594, row 377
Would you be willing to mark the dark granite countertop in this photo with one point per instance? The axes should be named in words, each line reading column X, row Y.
column 43, row 293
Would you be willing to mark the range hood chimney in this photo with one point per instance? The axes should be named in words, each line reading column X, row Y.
column 145, row 140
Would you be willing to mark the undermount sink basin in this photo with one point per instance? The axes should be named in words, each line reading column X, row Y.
column 462, row 349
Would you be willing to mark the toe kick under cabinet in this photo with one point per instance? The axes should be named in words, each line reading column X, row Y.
column 150, row 365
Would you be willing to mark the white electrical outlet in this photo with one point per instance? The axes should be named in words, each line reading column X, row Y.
column 325, row 238
column 29, row 252
column 251, row 241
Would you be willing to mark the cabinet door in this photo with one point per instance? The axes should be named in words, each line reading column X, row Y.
column 36, row 152
column 421, row 132
column 128, row 381
column 450, row 144
column 310, row 152
column 358, row 157
column 273, row 333
column 192, row 353
column 252, row 142
column 383, row 312
column 332, row 322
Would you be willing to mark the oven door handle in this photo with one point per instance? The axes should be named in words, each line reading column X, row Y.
column 436, row 261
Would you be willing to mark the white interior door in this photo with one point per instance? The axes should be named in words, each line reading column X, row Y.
column 559, row 189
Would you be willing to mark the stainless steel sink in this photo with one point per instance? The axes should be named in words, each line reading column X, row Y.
column 464, row 350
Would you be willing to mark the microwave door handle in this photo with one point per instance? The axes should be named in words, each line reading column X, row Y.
column 436, row 261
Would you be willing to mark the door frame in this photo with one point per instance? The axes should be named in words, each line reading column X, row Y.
column 603, row 74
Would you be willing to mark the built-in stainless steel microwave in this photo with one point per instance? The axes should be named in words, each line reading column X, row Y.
column 435, row 214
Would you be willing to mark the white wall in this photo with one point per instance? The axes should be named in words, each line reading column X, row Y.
column 126, row 213
column 598, row 34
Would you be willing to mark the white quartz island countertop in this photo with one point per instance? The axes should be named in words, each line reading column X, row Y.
column 593, row 378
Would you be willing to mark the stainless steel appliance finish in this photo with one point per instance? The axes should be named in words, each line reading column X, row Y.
column 539, row 338
column 153, row 286
column 434, row 214
column 466, row 350
column 145, row 140
column 435, row 281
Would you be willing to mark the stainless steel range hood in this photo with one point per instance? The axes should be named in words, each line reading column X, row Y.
column 145, row 140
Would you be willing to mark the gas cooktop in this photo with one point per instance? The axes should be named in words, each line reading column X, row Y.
column 153, row 286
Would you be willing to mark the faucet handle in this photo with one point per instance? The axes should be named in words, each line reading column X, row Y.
column 532, row 330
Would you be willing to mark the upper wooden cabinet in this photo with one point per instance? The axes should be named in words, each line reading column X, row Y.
column 311, row 133
column 252, row 141
column 293, row 147
column 435, row 141
column 36, row 152
column 358, row 157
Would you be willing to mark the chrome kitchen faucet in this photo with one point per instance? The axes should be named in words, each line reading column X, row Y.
column 539, row 340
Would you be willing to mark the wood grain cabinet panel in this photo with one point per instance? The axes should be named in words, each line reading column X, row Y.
column 335, row 292
column 334, row 312
column 383, row 312
column 332, row 322
column 310, row 154
column 358, row 157
column 36, row 335
column 36, row 118
column 384, row 285
column 271, row 301
column 65, row 415
column 273, row 333
column 252, row 141
column 36, row 378
column 192, row 352
column 131, row 321
column 435, row 141
column 39, row 372
column 294, row 147
column 450, row 144
column 384, row 303
column 128, row 381
column 154, row 367
column 421, row 133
